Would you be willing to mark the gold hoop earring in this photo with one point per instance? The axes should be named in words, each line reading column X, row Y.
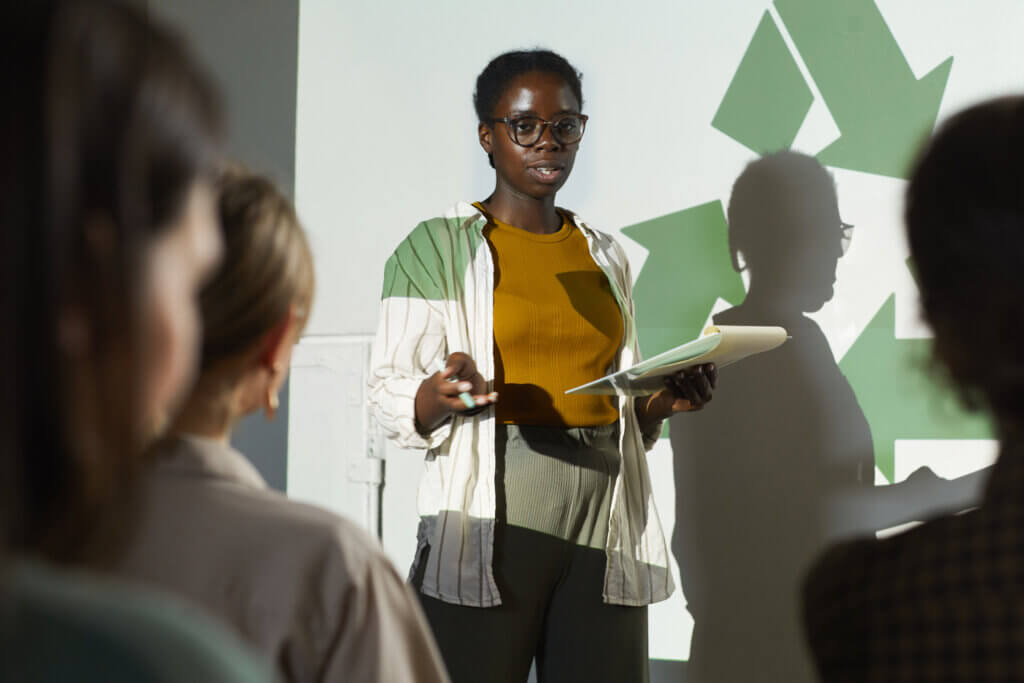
column 272, row 405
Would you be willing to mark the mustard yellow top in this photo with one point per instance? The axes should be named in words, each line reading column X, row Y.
column 556, row 326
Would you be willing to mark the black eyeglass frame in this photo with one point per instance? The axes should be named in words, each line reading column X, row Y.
column 509, row 120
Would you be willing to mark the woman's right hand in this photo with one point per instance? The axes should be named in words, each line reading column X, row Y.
column 438, row 396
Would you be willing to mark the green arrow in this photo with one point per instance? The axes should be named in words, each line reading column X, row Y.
column 767, row 100
column 900, row 399
column 882, row 111
column 687, row 269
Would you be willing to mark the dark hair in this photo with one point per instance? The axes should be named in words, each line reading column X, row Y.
column 501, row 70
column 965, row 226
column 267, row 266
column 109, row 124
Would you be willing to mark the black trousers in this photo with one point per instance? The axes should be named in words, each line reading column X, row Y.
column 551, row 609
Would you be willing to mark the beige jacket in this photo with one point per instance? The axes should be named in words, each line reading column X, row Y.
column 437, row 298
column 307, row 588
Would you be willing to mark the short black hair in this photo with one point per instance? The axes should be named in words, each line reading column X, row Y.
column 496, row 76
column 965, row 228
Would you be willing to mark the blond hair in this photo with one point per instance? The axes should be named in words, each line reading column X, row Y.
column 267, row 267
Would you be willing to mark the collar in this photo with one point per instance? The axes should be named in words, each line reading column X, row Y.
column 478, row 219
column 196, row 456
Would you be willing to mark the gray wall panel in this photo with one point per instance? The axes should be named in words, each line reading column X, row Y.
column 251, row 47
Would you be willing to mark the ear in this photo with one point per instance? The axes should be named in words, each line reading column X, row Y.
column 276, row 341
column 485, row 134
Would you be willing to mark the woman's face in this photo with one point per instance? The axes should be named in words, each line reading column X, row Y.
column 541, row 170
column 177, row 265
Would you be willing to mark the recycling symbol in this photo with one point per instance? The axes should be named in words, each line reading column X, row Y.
column 883, row 112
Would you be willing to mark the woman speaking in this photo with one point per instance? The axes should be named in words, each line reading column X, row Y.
column 538, row 536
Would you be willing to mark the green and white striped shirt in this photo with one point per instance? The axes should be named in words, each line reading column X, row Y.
column 438, row 299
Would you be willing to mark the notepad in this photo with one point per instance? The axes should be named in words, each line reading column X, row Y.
column 720, row 344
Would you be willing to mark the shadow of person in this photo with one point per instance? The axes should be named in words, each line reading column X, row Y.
column 758, row 472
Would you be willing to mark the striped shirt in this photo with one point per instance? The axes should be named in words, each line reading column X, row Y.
column 438, row 299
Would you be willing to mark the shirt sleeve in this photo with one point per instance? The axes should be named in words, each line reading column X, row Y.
column 652, row 432
column 409, row 347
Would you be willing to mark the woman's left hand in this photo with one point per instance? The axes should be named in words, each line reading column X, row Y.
column 686, row 390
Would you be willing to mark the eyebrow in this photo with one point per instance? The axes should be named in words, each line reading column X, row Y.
column 531, row 112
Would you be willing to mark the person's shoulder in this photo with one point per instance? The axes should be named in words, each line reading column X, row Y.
column 583, row 224
column 838, row 569
column 459, row 217
column 943, row 579
column 869, row 569
column 856, row 575
column 604, row 240
column 100, row 628
column 343, row 566
column 305, row 528
column 258, row 521
column 428, row 264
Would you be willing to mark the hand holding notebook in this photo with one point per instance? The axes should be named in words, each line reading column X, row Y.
column 720, row 344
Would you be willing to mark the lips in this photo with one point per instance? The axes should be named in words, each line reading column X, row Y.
column 546, row 171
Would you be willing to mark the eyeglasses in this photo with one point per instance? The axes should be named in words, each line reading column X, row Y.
column 526, row 131
column 845, row 236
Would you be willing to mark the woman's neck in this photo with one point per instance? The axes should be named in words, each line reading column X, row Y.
column 211, row 411
column 522, row 211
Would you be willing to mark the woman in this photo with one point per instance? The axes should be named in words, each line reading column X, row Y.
column 107, row 230
column 305, row 587
column 538, row 537
column 942, row 601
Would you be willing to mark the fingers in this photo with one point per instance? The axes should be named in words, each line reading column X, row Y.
column 475, row 385
column 683, row 406
column 711, row 370
column 685, row 388
column 467, row 403
column 452, row 389
column 702, row 383
column 459, row 365
column 482, row 400
column 694, row 386
column 460, row 388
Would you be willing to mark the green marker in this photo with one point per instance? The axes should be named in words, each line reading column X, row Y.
column 465, row 397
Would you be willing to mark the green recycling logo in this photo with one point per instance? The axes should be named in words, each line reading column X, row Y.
column 882, row 112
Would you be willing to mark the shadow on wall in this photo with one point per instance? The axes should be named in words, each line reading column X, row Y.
column 781, row 462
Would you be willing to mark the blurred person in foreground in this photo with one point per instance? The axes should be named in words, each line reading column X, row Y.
column 945, row 601
column 107, row 231
column 307, row 588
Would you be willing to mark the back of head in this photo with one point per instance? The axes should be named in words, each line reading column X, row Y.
column 267, row 268
column 108, row 125
column 965, row 226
